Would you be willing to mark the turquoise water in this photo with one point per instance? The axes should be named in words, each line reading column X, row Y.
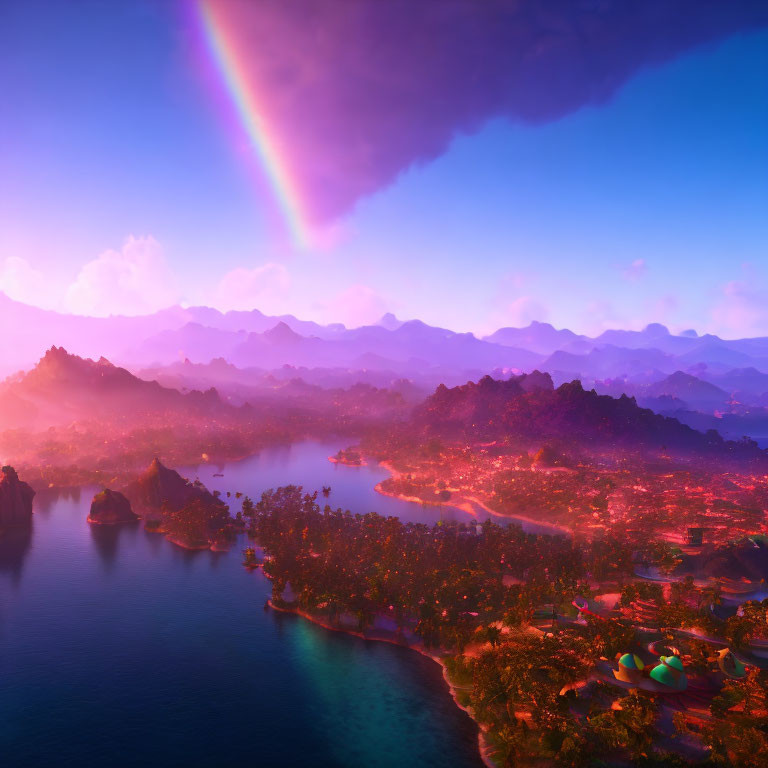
column 119, row 649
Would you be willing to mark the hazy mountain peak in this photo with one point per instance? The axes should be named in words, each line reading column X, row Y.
column 389, row 321
column 537, row 336
column 282, row 333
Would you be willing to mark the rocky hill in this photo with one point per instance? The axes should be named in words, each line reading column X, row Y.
column 15, row 500
column 63, row 387
column 111, row 508
column 159, row 488
column 529, row 409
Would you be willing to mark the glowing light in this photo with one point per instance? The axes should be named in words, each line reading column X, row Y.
column 251, row 115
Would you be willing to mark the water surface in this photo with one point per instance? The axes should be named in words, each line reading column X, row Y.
column 118, row 648
column 352, row 488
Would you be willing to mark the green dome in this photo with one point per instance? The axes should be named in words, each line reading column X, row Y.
column 673, row 661
column 670, row 673
column 730, row 665
column 662, row 674
column 631, row 661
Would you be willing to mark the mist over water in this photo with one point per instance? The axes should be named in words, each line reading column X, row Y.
column 118, row 648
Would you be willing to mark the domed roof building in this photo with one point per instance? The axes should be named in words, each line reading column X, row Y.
column 631, row 668
column 670, row 673
column 729, row 665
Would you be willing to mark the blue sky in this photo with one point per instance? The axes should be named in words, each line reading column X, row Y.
column 121, row 167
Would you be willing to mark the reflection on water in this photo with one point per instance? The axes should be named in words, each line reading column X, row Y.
column 107, row 537
column 352, row 488
column 14, row 545
column 119, row 648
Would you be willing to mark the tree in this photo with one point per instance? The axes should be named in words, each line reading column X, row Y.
column 197, row 523
column 629, row 725
column 737, row 733
column 493, row 634
column 609, row 637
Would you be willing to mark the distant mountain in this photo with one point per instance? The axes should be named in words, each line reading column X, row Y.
column 192, row 341
column 64, row 387
column 742, row 382
column 240, row 385
column 715, row 351
column 697, row 394
column 118, row 337
column 409, row 349
column 65, row 390
column 536, row 337
column 414, row 348
column 653, row 336
column 389, row 321
column 254, row 321
column 501, row 410
column 610, row 361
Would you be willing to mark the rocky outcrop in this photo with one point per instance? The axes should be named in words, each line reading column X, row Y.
column 160, row 488
column 15, row 500
column 111, row 508
column 187, row 513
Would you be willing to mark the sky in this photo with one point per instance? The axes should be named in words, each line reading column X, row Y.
column 594, row 166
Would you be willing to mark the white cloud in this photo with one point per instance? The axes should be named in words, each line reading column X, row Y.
column 600, row 316
column 132, row 281
column 264, row 288
column 635, row 270
column 332, row 235
column 664, row 309
column 21, row 281
column 524, row 310
column 742, row 309
column 357, row 305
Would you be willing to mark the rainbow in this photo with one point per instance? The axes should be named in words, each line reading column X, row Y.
column 251, row 115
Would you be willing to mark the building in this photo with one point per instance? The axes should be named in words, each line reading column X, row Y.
column 631, row 668
column 670, row 673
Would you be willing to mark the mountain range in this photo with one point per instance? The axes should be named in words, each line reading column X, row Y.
column 62, row 388
column 253, row 338
column 530, row 410
column 671, row 373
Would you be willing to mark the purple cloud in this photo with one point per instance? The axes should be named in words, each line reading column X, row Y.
column 356, row 91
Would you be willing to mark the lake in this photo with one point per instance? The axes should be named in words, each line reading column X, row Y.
column 352, row 488
column 119, row 648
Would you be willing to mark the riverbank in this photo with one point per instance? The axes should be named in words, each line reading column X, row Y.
column 482, row 742
column 342, row 701
column 346, row 463
column 469, row 505
column 213, row 546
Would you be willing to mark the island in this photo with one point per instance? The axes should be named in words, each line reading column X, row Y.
column 186, row 512
column 349, row 456
column 111, row 508
column 15, row 500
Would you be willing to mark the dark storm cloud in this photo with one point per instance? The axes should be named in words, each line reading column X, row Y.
column 356, row 91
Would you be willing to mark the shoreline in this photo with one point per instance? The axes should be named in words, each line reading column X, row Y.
column 467, row 504
column 484, row 747
column 334, row 460
column 212, row 546
column 191, row 547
